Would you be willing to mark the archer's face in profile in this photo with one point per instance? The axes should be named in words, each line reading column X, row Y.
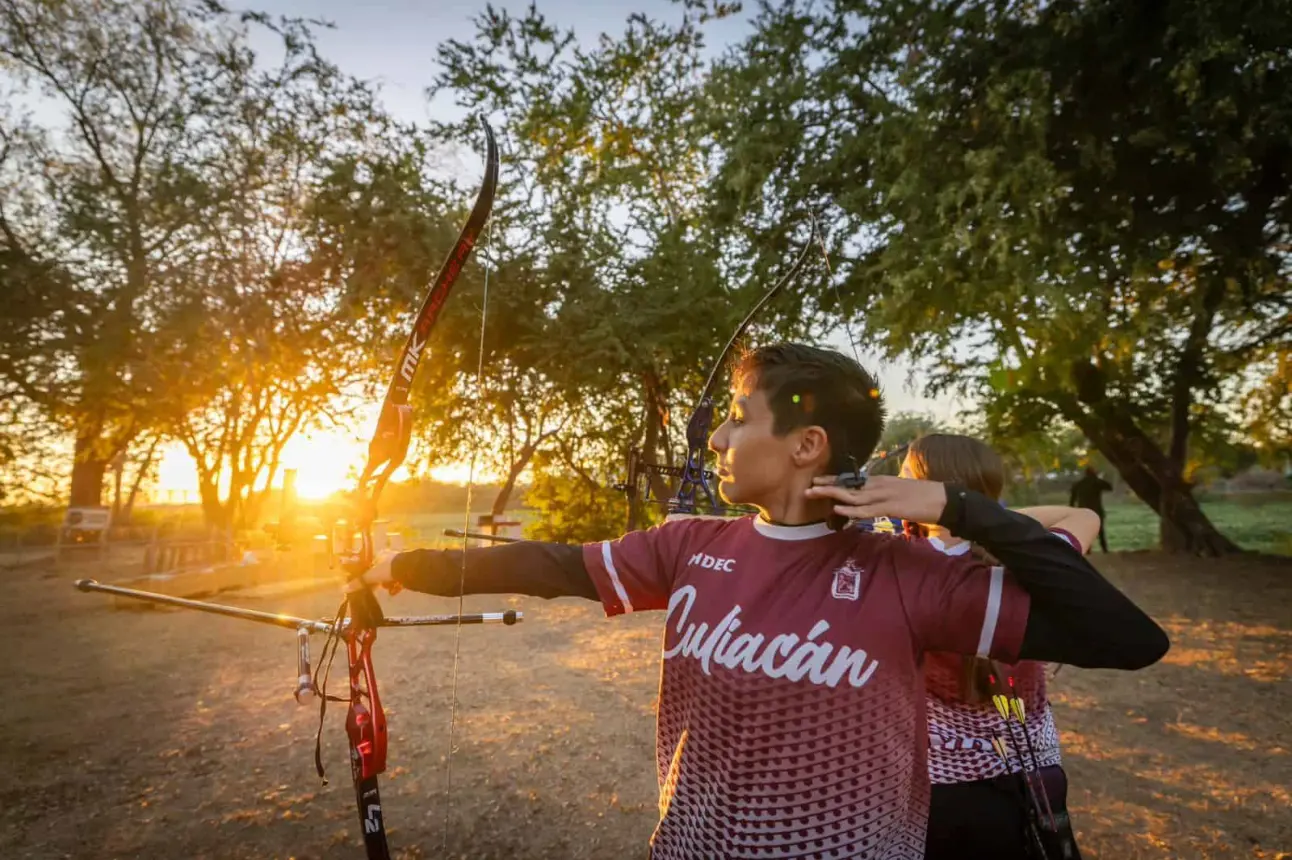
column 754, row 465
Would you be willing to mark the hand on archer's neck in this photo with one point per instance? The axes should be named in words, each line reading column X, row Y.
column 755, row 466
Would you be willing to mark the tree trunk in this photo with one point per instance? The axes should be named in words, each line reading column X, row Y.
column 656, row 418
column 509, row 486
column 88, row 469
column 118, row 472
column 127, row 510
column 215, row 514
column 1182, row 527
column 1189, row 530
column 1147, row 471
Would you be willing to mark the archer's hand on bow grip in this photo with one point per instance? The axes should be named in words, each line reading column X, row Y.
column 364, row 609
column 359, row 590
column 381, row 572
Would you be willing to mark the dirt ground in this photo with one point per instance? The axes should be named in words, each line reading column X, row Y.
column 167, row 734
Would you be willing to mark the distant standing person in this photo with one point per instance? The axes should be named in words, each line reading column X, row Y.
column 1089, row 493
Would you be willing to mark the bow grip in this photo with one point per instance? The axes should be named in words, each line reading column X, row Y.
column 365, row 610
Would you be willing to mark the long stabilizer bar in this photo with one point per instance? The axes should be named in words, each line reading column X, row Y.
column 292, row 622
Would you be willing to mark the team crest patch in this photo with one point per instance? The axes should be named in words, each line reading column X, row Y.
column 847, row 581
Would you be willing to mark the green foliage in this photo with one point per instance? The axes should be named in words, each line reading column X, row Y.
column 1267, row 408
column 1041, row 185
column 905, row 427
column 97, row 218
column 618, row 291
column 1076, row 209
column 571, row 510
column 902, row 428
column 203, row 251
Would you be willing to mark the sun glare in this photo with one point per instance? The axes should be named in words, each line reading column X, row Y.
column 455, row 473
column 325, row 463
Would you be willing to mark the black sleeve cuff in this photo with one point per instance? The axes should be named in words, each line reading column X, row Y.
column 953, row 514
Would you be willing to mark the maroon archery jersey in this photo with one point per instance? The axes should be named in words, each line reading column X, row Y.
column 791, row 718
column 960, row 733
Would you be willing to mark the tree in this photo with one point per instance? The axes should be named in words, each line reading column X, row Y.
column 140, row 463
column 29, row 454
column 300, row 253
column 903, row 428
column 1033, row 445
column 628, row 292
column 1267, row 407
column 1077, row 209
column 97, row 220
column 574, row 504
column 178, row 255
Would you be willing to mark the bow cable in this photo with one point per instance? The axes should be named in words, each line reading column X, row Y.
column 462, row 575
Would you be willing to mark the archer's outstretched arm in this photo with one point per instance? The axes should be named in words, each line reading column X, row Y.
column 529, row 567
column 632, row 572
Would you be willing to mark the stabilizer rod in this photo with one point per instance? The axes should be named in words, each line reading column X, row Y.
column 291, row 622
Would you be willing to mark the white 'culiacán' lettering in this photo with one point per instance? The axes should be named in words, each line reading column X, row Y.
column 785, row 656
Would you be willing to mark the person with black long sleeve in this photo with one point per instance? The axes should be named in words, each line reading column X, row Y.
column 1088, row 493
column 791, row 718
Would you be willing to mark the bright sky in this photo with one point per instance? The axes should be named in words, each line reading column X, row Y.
column 393, row 44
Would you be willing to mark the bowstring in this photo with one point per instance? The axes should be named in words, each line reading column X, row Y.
column 462, row 574
column 834, row 285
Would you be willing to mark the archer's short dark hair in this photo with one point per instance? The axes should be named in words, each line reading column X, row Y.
column 808, row 385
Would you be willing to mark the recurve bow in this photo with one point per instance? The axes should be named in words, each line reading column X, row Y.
column 360, row 615
column 693, row 478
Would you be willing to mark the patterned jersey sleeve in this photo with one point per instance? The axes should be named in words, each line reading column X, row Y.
column 1068, row 536
column 960, row 604
column 636, row 571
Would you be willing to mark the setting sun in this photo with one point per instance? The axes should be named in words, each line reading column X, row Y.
column 326, row 462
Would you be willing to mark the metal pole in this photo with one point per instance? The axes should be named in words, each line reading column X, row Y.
column 291, row 622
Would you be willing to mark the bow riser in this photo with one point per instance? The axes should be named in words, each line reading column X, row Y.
column 366, row 723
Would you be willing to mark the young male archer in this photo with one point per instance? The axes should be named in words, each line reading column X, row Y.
column 791, row 715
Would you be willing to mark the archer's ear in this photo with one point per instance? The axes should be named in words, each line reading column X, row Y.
column 813, row 449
